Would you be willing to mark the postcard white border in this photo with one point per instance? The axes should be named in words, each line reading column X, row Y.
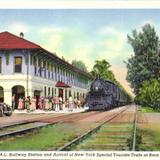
column 79, row 4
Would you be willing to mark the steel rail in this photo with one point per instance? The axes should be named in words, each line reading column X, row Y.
column 27, row 121
column 134, row 131
column 36, row 119
column 83, row 136
column 20, row 131
column 24, row 130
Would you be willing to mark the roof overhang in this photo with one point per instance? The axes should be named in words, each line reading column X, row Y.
column 63, row 85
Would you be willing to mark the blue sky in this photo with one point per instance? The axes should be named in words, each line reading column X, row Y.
column 82, row 34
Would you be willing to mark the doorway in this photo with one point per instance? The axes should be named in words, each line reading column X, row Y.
column 37, row 94
column 60, row 93
column 19, row 92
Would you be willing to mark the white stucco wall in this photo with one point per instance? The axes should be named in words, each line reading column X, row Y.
column 34, row 83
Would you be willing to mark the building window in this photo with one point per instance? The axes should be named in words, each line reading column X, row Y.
column 0, row 64
column 18, row 65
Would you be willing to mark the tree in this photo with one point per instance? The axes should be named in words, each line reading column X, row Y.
column 101, row 68
column 145, row 64
column 149, row 94
column 79, row 64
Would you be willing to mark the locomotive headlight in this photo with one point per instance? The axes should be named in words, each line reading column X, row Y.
column 96, row 88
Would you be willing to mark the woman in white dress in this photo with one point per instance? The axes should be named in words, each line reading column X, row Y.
column 33, row 104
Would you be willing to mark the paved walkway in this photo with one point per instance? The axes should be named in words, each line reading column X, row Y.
column 50, row 112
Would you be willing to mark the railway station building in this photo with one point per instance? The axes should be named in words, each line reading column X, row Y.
column 27, row 69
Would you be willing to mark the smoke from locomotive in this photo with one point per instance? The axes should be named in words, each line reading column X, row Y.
column 104, row 95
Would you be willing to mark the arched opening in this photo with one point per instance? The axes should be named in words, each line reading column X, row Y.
column 19, row 92
column 1, row 94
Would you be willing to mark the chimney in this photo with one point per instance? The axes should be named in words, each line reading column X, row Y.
column 21, row 35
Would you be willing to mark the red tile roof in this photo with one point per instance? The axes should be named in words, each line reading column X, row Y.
column 61, row 84
column 10, row 41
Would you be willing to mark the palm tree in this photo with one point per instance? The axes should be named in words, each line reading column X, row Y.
column 101, row 68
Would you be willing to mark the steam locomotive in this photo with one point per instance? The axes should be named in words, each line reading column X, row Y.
column 104, row 95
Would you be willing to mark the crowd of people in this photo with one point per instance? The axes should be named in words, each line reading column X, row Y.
column 47, row 103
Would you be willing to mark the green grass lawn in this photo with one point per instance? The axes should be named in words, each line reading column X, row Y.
column 46, row 138
column 150, row 137
column 148, row 110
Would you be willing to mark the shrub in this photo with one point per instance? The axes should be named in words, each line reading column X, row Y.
column 149, row 94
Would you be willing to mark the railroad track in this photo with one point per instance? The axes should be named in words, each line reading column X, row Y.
column 29, row 125
column 134, row 130
column 106, row 136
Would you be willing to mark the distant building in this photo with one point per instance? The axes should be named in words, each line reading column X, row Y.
column 27, row 69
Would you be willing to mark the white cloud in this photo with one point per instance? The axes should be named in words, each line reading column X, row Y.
column 52, row 29
column 107, row 30
column 109, row 44
column 113, row 43
column 52, row 38
column 71, row 44
column 17, row 27
column 82, row 52
column 52, row 43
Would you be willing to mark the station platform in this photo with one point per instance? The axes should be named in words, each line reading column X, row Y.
column 20, row 116
column 38, row 111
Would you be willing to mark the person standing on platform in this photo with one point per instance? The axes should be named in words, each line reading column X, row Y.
column 60, row 103
column 27, row 103
column 70, row 108
column 53, row 103
column 40, row 103
column 33, row 104
column 75, row 102
column 20, row 104
column 50, row 103
column 43, row 102
column 46, row 102
column 56, row 102
column 13, row 102
column 82, row 101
